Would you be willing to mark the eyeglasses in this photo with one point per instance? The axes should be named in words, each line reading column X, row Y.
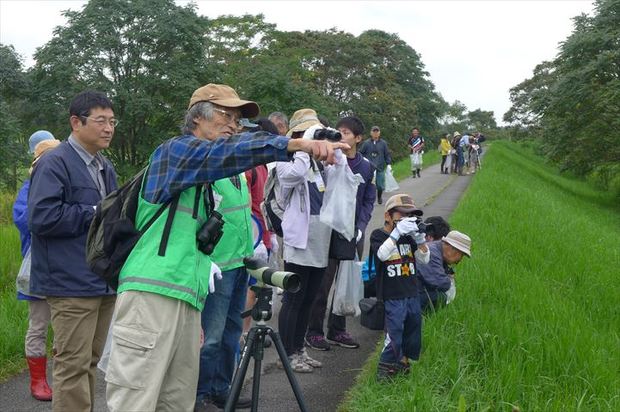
column 102, row 121
column 230, row 117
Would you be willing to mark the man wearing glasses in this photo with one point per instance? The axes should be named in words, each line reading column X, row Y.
column 66, row 185
column 154, row 361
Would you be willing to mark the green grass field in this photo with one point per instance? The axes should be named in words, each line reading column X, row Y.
column 13, row 313
column 535, row 324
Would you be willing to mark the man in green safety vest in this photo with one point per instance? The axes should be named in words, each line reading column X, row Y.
column 164, row 283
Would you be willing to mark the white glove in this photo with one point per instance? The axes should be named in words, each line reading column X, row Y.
column 274, row 244
column 404, row 227
column 216, row 272
column 309, row 133
column 359, row 236
column 389, row 168
column 260, row 252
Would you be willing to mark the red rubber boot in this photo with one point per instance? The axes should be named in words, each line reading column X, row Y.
column 38, row 379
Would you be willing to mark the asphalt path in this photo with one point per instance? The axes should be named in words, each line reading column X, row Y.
column 435, row 193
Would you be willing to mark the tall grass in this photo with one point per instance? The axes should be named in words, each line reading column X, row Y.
column 535, row 324
column 13, row 313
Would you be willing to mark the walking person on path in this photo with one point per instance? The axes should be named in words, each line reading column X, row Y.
column 39, row 315
column 377, row 152
column 445, row 148
column 416, row 146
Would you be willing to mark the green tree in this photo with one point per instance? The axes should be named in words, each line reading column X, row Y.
column 13, row 87
column 147, row 55
column 481, row 120
column 572, row 104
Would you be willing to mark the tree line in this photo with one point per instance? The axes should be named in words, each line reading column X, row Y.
column 571, row 104
column 149, row 56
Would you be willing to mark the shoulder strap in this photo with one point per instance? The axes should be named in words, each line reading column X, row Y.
column 168, row 226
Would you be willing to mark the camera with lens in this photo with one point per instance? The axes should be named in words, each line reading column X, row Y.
column 423, row 227
column 261, row 271
column 210, row 233
column 327, row 134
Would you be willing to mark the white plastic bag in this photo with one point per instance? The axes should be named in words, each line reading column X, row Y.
column 451, row 293
column 391, row 185
column 348, row 288
column 340, row 197
column 107, row 349
column 22, row 282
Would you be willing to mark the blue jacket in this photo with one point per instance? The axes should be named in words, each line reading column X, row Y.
column 377, row 152
column 60, row 210
column 433, row 275
column 20, row 215
column 366, row 192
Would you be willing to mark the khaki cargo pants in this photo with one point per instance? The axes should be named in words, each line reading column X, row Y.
column 155, row 354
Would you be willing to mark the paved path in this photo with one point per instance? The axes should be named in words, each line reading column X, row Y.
column 323, row 390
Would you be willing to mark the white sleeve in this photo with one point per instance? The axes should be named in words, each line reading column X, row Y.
column 386, row 249
column 423, row 257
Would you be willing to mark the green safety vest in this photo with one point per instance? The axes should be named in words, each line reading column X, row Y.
column 235, row 207
column 183, row 271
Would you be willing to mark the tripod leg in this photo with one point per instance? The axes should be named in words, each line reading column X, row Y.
column 258, row 353
column 235, row 388
column 275, row 337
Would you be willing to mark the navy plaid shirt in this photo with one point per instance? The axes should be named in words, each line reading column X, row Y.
column 186, row 161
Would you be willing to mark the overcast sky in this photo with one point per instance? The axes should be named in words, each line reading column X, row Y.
column 475, row 51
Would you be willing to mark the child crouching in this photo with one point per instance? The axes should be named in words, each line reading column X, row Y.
column 396, row 247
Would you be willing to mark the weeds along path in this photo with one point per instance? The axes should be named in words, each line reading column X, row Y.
column 326, row 387
column 535, row 322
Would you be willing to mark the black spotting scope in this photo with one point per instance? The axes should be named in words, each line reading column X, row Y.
column 261, row 271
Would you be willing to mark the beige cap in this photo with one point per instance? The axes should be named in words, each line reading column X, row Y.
column 225, row 96
column 456, row 134
column 302, row 120
column 402, row 203
column 459, row 241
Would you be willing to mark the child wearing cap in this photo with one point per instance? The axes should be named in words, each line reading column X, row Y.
column 396, row 249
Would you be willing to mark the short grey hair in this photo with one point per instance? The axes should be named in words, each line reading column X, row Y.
column 202, row 110
column 280, row 116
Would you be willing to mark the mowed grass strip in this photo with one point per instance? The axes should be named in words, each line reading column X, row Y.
column 536, row 321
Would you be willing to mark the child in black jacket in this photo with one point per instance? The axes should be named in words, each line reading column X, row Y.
column 396, row 247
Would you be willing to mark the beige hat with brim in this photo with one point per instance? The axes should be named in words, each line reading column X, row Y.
column 224, row 96
column 302, row 120
column 459, row 241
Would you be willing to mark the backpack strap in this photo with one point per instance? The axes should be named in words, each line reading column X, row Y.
column 168, row 226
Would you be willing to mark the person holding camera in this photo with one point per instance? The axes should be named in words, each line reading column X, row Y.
column 351, row 129
column 377, row 152
column 397, row 249
column 164, row 283
column 305, row 239
column 438, row 286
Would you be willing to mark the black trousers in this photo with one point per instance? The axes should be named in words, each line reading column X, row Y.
column 295, row 311
column 335, row 323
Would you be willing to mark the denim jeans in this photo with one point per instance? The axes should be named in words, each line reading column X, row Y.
column 403, row 324
column 222, row 325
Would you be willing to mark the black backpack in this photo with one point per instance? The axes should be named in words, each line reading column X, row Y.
column 113, row 234
column 272, row 207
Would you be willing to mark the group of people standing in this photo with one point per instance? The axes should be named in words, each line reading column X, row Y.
column 174, row 321
column 460, row 154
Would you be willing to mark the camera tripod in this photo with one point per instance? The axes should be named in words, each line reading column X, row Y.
column 261, row 312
